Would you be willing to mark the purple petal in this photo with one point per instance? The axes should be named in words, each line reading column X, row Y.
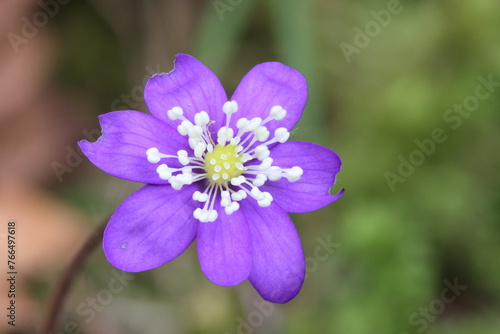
column 225, row 248
column 312, row 191
column 151, row 227
column 278, row 268
column 191, row 86
column 126, row 136
column 268, row 85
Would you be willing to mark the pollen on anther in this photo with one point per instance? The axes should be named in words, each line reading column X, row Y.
column 239, row 165
column 223, row 157
column 213, row 161
column 225, row 176
column 215, row 177
column 218, row 168
column 226, row 165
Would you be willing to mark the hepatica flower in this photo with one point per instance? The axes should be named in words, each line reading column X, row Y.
column 216, row 169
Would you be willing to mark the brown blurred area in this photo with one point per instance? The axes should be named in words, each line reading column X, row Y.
column 38, row 121
column 41, row 121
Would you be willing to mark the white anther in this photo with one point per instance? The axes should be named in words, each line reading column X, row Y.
column 238, row 149
column 195, row 131
column 227, row 165
column 213, row 161
column 153, row 155
column 210, row 148
column 262, row 152
column 217, row 168
column 293, row 174
column 281, row 135
column 200, row 197
column 242, row 123
column 212, row 215
column 184, row 178
column 261, row 133
column 236, row 196
column 226, row 198
column 197, row 213
column 201, row 118
column 266, row 201
column 266, row 164
column 175, row 113
column 164, row 172
column 202, row 216
column 215, row 177
column 230, row 107
column 239, row 165
column 243, row 194
column 260, row 179
column 193, row 142
column 184, row 127
column 223, row 157
column 236, row 181
column 224, row 135
column 225, row 176
column 257, row 194
column 253, row 124
column 182, row 156
column 274, row 173
column 174, row 182
column 232, row 208
column 200, row 149
column 277, row 113
column 246, row 157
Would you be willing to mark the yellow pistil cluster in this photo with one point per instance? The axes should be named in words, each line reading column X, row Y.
column 223, row 164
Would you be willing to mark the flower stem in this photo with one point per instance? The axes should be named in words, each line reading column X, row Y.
column 69, row 276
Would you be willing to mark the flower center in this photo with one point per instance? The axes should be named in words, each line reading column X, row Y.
column 236, row 164
column 223, row 164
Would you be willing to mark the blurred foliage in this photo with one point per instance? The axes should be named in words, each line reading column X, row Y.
column 397, row 248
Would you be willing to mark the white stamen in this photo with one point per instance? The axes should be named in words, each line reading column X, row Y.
column 184, row 127
column 281, row 135
column 274, row 173
column 253, row 124
column 261, row 133
column 242, row 123
column 228, row 190
column 259, row 180
column 266, row 201
column 266, row 164
column 293, row 174
column 164, row 172
column 230, row 107
column 262, row 152
column 183, row 158
column 153, row 155
column 175, row 113
column 277, row 113
column 201, row 119
column 193, row 142
column 195, row 131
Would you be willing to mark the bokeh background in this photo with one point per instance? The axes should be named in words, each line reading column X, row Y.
column 412, row 247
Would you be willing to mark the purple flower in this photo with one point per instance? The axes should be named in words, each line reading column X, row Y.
column 219, row 170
